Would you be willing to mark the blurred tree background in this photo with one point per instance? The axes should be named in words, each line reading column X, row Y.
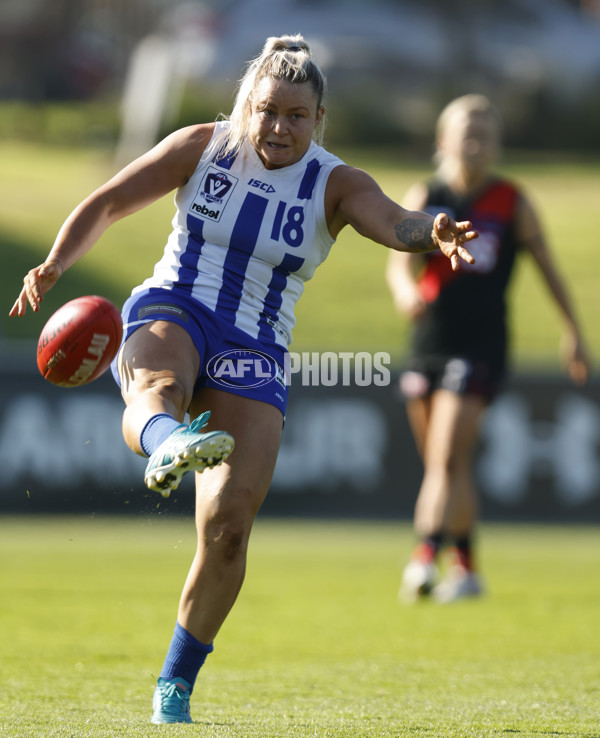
column 70, row 68
column 86, row 85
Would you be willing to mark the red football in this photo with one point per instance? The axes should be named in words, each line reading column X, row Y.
column 79, row 341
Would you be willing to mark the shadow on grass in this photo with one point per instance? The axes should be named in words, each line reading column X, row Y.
column 19, row 256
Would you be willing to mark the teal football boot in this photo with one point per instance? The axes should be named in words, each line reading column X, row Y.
column 186, row 450
column 171, row 701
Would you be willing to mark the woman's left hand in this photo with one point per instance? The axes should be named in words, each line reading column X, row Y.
column 450, row 237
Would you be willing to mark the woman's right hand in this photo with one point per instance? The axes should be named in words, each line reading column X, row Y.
column 36, row 283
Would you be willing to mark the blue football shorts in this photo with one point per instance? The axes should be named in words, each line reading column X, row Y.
column 230, row 359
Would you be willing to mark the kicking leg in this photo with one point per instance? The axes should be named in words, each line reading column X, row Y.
column 158, row 366
column 227, row 500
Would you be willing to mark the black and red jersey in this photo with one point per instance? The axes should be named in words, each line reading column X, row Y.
column 466, row 310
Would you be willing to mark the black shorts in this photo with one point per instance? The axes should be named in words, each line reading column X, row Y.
column 455, row 374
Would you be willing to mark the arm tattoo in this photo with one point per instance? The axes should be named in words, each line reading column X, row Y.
column 415, row 234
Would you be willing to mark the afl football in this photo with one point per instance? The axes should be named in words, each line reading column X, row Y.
column 79, row 341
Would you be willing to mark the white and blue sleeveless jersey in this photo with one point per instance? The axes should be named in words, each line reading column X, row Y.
column 246, row 238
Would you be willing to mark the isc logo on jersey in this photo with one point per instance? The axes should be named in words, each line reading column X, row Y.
column 212, row 196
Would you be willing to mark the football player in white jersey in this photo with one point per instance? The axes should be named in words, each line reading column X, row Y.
column 259, row 204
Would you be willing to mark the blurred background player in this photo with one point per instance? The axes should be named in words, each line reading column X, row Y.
column 259, row 205
column 459, row 345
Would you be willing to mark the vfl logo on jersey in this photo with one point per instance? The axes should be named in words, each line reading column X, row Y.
column 212, row 196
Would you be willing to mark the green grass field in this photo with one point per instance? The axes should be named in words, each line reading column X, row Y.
column 347, row 305
column 317, row 644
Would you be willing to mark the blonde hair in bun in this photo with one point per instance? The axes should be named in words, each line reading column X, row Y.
column 285, row 57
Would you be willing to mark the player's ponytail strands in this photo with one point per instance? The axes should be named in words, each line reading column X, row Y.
column 286, row 57
column 290, row 58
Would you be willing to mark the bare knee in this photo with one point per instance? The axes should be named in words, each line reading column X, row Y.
column 163, row 387
column 225, row 538
column 225, row 527
column 228, row 539
column 450, row 462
